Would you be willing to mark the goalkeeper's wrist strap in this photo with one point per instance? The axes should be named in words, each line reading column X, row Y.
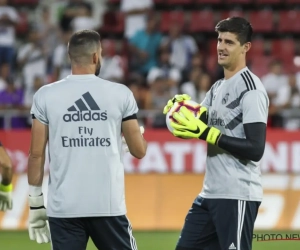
column 6, row 188
column 36, row 202
column 211, row 135
column 35, row 191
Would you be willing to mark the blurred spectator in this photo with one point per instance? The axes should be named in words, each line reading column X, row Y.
column 84, row 19
column 183, row 47
column 144, row 47
column 159, row 95
column 289, row 98
column 198, row 85
column 112, row 64
column 8, row 21
column 4, row 74
column 197, row 63
column 61, row 61
column 274, row 80
column 12, row 98
column 32, row 59
column 28, row 99
column 73, row 9
column 49, row 32
column 135, row 15
column 165, row 70
column 140, row 92
column 298, row 79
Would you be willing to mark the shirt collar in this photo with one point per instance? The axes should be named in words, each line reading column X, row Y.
column 78, row 77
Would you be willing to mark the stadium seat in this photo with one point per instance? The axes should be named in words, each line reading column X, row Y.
column 23, row 25
column 289, row 21
column 170, row 17
column 232, row 13
column 208, row 1
column 257, row 49
column 267, row 2
column 114, row 1
column 261, row 21
column 238, row 1
column 113, row 22
column 292, row 1
column 284, row 49
column 260, row 65
column 183, row 2
column 24, row 2
column 202, row 20
column 212, row 47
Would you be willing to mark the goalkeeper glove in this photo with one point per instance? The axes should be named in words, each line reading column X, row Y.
column 38, row 227
column 6, row 197
column 176, row 98
column 189, row 126
column 126, row 149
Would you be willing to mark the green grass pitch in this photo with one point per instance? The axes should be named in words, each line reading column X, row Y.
column 157, row 240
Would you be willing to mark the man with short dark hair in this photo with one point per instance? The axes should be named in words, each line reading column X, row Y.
column 82, row 117
column 233, row 119
column 6, row 182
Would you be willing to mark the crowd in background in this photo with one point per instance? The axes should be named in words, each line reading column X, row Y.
column 156, row 65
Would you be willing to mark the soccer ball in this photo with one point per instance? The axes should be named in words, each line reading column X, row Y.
column 189, row 104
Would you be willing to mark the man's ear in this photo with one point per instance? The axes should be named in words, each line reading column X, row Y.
column 247, row 47
column 95, row 58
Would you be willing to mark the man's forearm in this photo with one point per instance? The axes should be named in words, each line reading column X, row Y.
column 7, row 174
column 5, row 167
column 36, row 170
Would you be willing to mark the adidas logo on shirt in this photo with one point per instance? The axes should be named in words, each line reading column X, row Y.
column 232, row 246
column 85, row 109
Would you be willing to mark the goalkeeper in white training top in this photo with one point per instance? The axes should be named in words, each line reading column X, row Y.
column 82, row 118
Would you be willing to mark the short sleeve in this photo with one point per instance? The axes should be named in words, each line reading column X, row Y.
column 38, row 108
column 255, row 105
column 130, row 107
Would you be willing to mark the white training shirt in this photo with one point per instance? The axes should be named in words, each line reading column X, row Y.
column 84, row 115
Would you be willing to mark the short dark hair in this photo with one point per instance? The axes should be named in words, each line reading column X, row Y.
column 237, row 25
column 83, row 44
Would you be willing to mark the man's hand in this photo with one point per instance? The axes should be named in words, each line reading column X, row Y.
column 189, row 126
column 38, row 227
column 6, row 197
column 176, row 98
column 126, row 149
